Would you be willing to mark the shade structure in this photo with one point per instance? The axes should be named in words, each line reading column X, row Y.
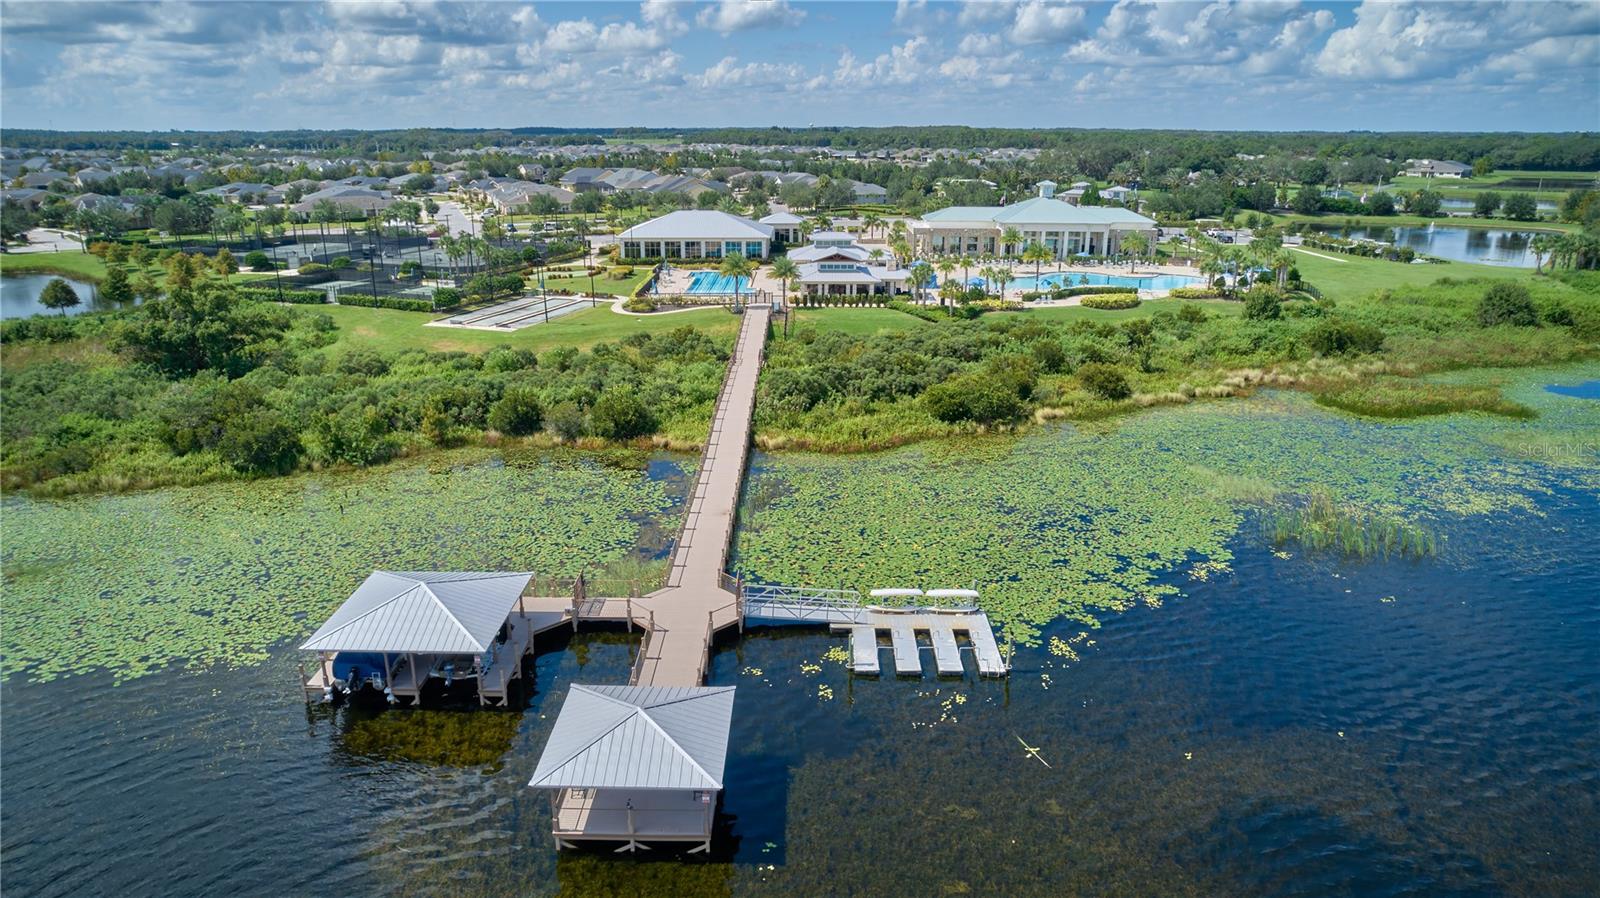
column 638, row 737
column 895, row 593
column 421, row 612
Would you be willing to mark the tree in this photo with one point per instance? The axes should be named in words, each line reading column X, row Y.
column 983, row 397
column 946, row 267
column 1506, row 303
column 784, row 269
column 1311, row 173
column 1011, row 241
column 1263, row 304
column 116, row 287
column 204, row 327
column 1307, row 201
column 871, row 222
column 262, row 442
column 1136, row 244
column 1482, row 166
column 256, row 260
column 58, row 294
column 1380, row 203
column 1425, row 203
column 518, row 412
column 1541, row 245
column 1521, row 207
column 225, row 264
column 619, row 414
column 588, row 202
column 1486, row 204
column 736, row 266
column 921, row 275
column 1105, row 381
column 1038, row 254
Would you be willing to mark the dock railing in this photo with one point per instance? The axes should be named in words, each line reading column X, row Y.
column 771, row 602
column 645, row 645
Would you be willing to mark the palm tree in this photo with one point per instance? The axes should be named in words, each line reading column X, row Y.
column 966, row 269
column 897, row 231
column 1136, row 244
column 1010, row 239
column 871, row 222
column 1282, row 261
column 452, row 250
column 901, row 249
column 822, row 222
column 875, row 254
column 1038, row 254
column 736, row 266
column 921, row 276
column 784, row 269
column 1541, row 244
column 947, row 267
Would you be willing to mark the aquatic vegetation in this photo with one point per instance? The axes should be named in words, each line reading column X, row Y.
column 1399, row 397
column 446, row 738
column 1080, row 521
column 215, row 575
column 1323, row 523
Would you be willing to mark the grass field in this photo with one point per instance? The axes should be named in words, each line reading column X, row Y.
column 860, row 322
column 387, row 330
column 1142, row 310
column 78, row 265
column 1346, row 277
column 602, row 283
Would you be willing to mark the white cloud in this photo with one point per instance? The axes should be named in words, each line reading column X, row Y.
column 729, row 73
column 1042, row 22
column 906, row 63
column 728, row 16
column 987, row 12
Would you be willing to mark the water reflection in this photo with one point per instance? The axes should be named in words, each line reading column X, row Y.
column 1487, row 246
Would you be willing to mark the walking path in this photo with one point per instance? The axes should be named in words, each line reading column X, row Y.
column 697, row 600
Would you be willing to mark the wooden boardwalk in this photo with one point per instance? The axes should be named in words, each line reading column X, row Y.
column 697, row 601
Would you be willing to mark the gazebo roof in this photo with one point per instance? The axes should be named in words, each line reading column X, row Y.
column 641, row 737
column 426, row 613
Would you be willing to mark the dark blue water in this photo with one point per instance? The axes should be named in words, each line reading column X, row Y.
column 1303, row 726
column 1589, row 389
column 19, row 296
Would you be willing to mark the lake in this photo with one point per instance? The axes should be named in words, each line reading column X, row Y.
column 1486, row 246
column 1220, row 715
column 19, row 296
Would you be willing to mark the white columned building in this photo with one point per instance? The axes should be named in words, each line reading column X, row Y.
column 1061, row 227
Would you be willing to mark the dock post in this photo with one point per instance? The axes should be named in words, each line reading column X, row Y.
column 630, row 614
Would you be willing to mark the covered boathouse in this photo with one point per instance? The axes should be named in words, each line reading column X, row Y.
column 637, row 764
column 399, row 630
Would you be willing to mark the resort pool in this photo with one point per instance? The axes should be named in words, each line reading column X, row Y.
column 1091, row 279
column 712, row 282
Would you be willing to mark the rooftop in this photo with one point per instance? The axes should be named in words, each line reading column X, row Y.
column 639, row 737
column 445, row 613
column 696, row 224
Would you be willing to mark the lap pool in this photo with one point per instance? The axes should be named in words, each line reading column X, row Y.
column 712, row 282
column 1092, row 279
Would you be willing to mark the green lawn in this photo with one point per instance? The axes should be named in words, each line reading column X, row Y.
column 1352, row 276
column 387, row 330
column 602, row 284
column 858, row 322
column 74, row 264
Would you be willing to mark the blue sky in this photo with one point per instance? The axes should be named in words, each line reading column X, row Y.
column 1272, row 64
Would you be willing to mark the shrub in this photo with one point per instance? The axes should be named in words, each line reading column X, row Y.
column 622, row 272
column 364, row 362
column 260, row 443
column 619, row 414
column 1194, row 293
column 402, row 303
column 1049, row 355
column 565, row 420
column 518, row 412
column 340, row 262
column 1111, row 301
column 446, row 297
column 1087, row 290
column 1105, row 381
column 256, row 260
column 644, row 302
column 1337, row 336
column 272, row 294
column 509, row 358
column 313, row 268
column 1507, row 303
column 1263, row 304
column 985, row 398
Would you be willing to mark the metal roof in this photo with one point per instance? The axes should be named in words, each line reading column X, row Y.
column 1040, row 211
column 431, row 613
column 698, row 224
column 638, row 737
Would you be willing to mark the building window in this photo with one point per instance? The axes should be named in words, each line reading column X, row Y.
column 752, row 250
column 713, row 250
column 652, row 249
column 730, row 247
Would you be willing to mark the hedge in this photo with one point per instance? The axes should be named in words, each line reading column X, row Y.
column 446, row 297
column 1195, row 293
column 272, row 294
column 1110, row 301
column 1064, row 292
column 926, row 313
column 402, row 303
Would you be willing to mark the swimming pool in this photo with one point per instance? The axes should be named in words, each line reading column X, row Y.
column 712, row 282
column 1091, row 279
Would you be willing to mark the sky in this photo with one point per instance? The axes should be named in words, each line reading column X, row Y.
column 1266, row 64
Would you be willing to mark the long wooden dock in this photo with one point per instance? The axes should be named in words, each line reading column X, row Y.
column 698, row 600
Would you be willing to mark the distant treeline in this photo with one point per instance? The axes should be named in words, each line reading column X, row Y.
column 1573, row 150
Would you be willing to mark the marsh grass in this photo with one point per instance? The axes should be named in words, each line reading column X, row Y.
column 1395, row 397
column 437, row 737
column 1324, row 524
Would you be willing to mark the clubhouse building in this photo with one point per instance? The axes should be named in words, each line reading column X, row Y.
column 1065, row 229
column 834, row 264
column 696, row 234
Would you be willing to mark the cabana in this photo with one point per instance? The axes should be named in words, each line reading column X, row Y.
column 637, row 764
column 400, row 629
